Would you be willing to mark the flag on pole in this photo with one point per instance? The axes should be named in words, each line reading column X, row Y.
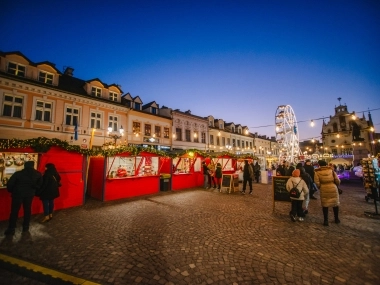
column 76, row 130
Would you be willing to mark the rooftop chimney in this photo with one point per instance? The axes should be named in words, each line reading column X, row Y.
column 69, row 71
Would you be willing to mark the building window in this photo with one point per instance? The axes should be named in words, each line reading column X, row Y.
column 250, row 144
column 218, row 140
column 210, row 123
column 136, row 127
column 335, row 127
column 238, row 143
column 72, row 116
column 157, row 131
column 43, row 111
column 233, row 129
column 233, row 143
column 154, row 110
column 228, row 141
column 220, row 126
column 246, row 144
column 187, row 134
column 96, row 120
column 178, row 134
column 196, row 137
column 16, row 69
column 128, row 103
column 148, row 130
column 137, row 106
column 45, row 77
column 166, row 133
column 12, row 106
column 113, row 123
column 223, row 141
column 113, row 96
column 203, row 135
column 96, row 92
column 211, row 139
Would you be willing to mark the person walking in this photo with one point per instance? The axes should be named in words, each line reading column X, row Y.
column 328, row 181
column 49, row 190
column 310, row 170
column 218, row 176
column 247, row 176
column 22, row 185
column 205, row 175
column 296, row 203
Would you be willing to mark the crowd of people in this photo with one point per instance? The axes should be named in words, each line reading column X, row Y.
column 307, row 180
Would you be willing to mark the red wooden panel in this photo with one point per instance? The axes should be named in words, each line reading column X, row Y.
column 96, row 177
column 131, row 187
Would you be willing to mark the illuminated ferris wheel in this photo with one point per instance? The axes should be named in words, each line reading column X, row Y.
column 287, row 134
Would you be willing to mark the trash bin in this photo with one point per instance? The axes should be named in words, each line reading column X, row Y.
column 165, row 182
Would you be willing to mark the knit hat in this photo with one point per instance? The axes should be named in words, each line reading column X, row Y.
column 322, row 163
column 299, row 165
column 296, row 173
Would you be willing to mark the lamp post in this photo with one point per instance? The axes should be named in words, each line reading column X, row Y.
column 115, row 136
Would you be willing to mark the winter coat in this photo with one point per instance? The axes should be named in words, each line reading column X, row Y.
column 289, row 170
column 218, row 172
column 50, row 186
column 327, row 181
column 205, row 169
column 310, row 170
column 292, row 182
column 247, row 171
column 26, row 182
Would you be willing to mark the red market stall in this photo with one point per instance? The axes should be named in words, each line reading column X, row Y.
column 70, row 166
column 186, row 170
column 125, row 175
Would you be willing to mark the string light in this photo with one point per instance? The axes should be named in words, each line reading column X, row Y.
column 312, row 123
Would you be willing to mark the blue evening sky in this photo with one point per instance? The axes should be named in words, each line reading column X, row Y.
column 236, row 60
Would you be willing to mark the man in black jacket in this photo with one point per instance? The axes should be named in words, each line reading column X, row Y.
column 23, row 185
column 310, row 170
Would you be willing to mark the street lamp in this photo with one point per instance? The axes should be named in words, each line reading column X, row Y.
column 115, row 136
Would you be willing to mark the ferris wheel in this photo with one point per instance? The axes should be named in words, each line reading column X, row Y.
column 287, row 134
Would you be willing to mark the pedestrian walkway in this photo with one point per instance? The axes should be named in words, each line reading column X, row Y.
column 199, row 236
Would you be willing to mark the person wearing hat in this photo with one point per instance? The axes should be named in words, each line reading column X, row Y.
column 310, row 170
column 296, row 203
column 328, row 181
column 309, row 183
column 22, row 185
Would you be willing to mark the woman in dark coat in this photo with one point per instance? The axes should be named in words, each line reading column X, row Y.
column 49, row 190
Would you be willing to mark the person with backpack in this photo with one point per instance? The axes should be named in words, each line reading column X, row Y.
column 219, row 175
column 295, row 182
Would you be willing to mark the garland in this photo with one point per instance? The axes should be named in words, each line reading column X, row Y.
column 42, row 144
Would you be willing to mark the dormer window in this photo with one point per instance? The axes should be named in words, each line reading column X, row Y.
column 233, row 129
column 210, row 123
column 16, row 69
column 154, row 110
column 113, row 96
column 137, row 106
column 96, row 92
column 221, row 126
column 239, row 131
column 45, row 77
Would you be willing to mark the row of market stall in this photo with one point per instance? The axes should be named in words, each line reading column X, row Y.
column 110, row 174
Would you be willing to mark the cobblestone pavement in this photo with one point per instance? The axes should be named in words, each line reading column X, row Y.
column 202, row 236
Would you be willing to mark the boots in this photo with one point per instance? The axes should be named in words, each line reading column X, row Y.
column 46, row 219
column 325, row 216
column 336, row 214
